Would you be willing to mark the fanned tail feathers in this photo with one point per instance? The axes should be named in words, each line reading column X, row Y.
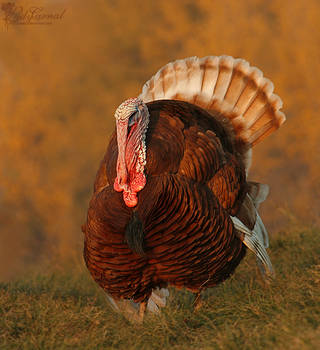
column 224, row 85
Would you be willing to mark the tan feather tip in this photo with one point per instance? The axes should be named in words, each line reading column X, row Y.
column 275, row 102
column 256, row 75
column 167, row 69
column 281, row 118
column 226, row 61
column 192, row 61
column 267, row 87
column 180, row 63
column 212, row 61
column 147, row 90
column 242, row 66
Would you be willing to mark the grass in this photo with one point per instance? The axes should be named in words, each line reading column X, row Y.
column 66, row 310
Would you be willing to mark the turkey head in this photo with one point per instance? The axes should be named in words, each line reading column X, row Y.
column 132, row 118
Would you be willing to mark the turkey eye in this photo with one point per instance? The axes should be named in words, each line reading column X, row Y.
column 132, row 119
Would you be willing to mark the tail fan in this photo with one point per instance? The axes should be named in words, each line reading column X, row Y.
column 224, row 85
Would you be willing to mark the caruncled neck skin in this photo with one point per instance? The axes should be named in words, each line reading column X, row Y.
column 131, row 149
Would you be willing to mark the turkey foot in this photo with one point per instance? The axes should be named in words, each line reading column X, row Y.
column 142, row 310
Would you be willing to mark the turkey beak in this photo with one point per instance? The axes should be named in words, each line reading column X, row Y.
column 122, row 173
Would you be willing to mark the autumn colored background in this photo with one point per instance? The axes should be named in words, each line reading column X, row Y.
column 61, row 83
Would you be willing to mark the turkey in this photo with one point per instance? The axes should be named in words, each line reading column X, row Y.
column 172, row 204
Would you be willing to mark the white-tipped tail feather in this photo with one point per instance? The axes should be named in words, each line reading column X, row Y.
column 260, row 229
column 256, row 242
column 258, row 193
column 224, row 85
column 157, row 299
column 130, row 309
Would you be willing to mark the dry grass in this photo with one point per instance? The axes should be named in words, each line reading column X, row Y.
column 65, row 310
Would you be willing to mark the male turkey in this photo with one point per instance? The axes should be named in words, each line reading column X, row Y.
column 171, row 203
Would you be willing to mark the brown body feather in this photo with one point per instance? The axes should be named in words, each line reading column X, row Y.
column 195, row 181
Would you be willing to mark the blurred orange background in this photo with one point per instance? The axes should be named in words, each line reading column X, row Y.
column 61, row 83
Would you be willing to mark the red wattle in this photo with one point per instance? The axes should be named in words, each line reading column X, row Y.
column 130, row 199
column 138, row 182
